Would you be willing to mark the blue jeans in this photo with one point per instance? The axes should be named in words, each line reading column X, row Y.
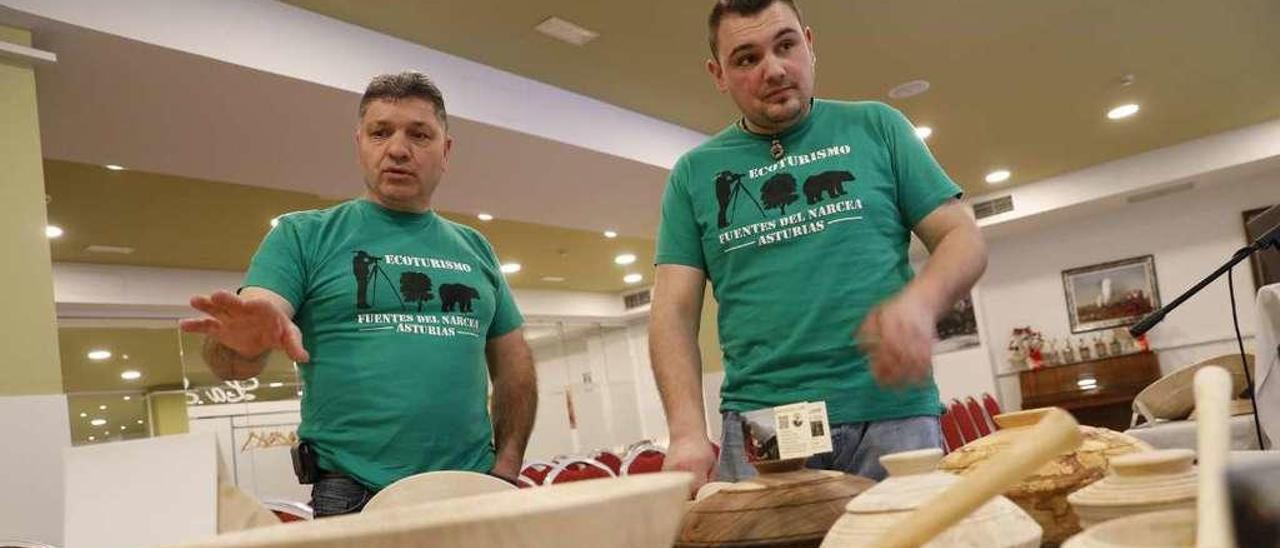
column 857, row 446
column 336, row 494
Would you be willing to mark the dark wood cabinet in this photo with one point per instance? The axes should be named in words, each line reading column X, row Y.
column 1097, row 392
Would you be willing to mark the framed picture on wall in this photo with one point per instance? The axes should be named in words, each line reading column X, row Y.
column 1113, row 294
column 1266, row 263
column 958, row 329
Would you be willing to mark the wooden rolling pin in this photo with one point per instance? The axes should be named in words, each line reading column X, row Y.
column 1213, row 438
column 1054, row 435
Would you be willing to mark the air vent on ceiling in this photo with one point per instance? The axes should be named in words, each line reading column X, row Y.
column 1161, row 191
column 116, row 249
column 1003, row 204
column 636, row 300
column 565, row 31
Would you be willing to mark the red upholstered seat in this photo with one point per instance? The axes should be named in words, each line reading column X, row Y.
column 980, row 418
column 993, row 408
column 950, row 432
column 967, row 429
column 578, row 470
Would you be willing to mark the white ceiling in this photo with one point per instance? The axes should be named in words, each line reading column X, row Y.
column 110, row 100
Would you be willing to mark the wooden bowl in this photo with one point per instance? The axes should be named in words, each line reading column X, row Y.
column 1168, row 529
column 1139, row 483
column 786, row 509
column 433, row 487
column 633, row 512
column 1171, row 397
column 914, row 479
column 1043, row 494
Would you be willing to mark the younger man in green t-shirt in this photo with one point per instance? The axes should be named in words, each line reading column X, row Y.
column 800, row 214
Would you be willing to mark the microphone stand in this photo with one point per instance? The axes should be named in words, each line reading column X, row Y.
column 1271, row 239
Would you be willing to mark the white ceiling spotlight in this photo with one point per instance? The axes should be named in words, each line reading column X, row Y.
column 98, row 422
column 131, row 375
column 83, row 415
column 114, row 167
column 51, row 232
column 102, row 408
column 91, row 438
column 1123, row 111
column 625, row 259
column 484, row 217
column 98, row 355
column 139, row 421
column 276, row 385
column 923, row 132
column 610, row 234
column 510, row 268
column 633, row 278
column 909, row 89
column 998, row 176
column 127, row 398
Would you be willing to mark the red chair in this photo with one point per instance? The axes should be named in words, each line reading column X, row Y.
column 993, row 408
column 950, row 432
column 980, row 418
column 967, row 429
column 643, row 459
column 578, row 470
column 534, row 473
column 612, row 461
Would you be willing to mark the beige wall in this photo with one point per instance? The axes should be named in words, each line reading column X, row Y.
column 27, row 327
column 169, row 413
column 709, row 335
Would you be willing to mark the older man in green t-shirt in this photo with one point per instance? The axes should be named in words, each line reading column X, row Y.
column 800, row 214
column 398, row 316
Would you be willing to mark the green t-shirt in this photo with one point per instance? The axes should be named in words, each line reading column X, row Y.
column 798, row 250
column 395, row 309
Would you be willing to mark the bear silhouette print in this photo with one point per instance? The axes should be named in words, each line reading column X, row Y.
column 457, row 296
column 828, row 182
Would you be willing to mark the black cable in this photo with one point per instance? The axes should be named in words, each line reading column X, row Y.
column 1244, row 362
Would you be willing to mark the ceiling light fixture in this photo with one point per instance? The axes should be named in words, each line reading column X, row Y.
column 122, row 427
column 909, row 89
column 565, row 31
column 484, row 217
column 276, row 384
column 98, row 422
column 923, row 132
column 91, row 438
column 1123, row 111
column 510, row 268
column 114, row 167
column 139, row 421
column 127, row 398
column 99, row 355
column 51, row 232
column 131, row 375
column 633, row 278
column 102, row 408
column 998, row 176
column 624, row 259
column 610, row 234
column 83, row 415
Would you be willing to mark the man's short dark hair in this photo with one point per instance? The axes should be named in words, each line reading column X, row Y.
column 743, row 8
column 405, row 85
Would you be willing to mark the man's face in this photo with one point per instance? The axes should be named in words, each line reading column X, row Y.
column 404, row 151
column 765, row 63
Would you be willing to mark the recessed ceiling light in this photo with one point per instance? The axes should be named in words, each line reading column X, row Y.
column 99, row 355
column 565, row 31
column 127, row 398
column 91, row 438
column 139, row 421
column 122, row 427
column 998, row 176
column 275, row 221
column 610, row 234
column 83, row 415
column 484, row 217
column 98, row 422
column 909, row 89
column 114, row 167
column 552, row 279
column 923, row 132
column 131, row 375
column 633, row 278
column 1123, row 111
column 102, row 408
column 625, row 259
column 51, row 231
column 276, row 384
column 510, row 268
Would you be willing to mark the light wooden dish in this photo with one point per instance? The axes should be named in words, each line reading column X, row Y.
column 1043, row 494
column 1172, row 397
column 634, row 512
column 1152, row 481
column 1209, row 525
column 913, row 480
column 434, row 487
column 781, row 509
